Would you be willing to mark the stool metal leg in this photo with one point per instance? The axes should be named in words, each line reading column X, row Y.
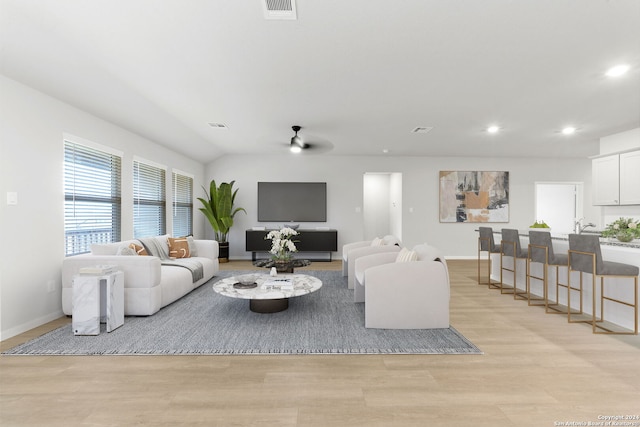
column 530, row 300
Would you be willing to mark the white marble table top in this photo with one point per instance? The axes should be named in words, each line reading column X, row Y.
column 302, row 284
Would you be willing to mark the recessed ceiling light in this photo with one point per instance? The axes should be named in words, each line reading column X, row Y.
column 569, row 130
column 385, row 150
column 493, row 129
column 218, row 125
column 617, row 71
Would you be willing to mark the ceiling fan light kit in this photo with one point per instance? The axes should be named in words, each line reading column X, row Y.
column 297, row 145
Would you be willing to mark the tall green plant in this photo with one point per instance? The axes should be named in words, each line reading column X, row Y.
column 218, row 208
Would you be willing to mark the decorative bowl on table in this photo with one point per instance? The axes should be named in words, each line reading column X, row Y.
column 246, row 281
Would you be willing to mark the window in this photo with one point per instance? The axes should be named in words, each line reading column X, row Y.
column 182, row 204
column 149, row 200
column 92, row 202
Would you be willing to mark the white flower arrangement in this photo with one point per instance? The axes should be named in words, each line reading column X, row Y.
column 281, row 243
column 625, row 229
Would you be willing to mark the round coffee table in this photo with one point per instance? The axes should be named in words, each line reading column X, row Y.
column 271, row 299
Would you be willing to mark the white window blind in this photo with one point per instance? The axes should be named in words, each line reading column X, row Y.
column 182, row 205
column 149, row 200
column 92, row 202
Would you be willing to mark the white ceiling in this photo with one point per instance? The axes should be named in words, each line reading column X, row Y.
column 359, row 75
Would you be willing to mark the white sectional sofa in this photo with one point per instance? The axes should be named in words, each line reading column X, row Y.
column 150, row 283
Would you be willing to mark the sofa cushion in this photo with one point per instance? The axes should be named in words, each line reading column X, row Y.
column 377, row 242
column 193, row 249
column 405, row 255
column 126, row 250
column 139, row 249
column 178, row 247
column 110, row 248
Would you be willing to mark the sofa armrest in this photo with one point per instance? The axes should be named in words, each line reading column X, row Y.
column 207, row 248
column 354, row 254
column 139, row 271
column 368, row 261
column 355, row 245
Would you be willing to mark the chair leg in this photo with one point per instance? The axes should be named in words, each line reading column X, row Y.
column 530, row 300
column 490, row 283
column 579, row 290
column 517, row 293
column 596, row 327
column 550, row 308
column 505, row 289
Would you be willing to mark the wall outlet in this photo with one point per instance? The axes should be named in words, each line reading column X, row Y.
column 51, row 286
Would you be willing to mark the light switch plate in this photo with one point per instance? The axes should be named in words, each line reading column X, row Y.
column 12, row 198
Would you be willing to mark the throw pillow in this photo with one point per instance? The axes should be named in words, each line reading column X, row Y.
column 377, row 242
column 178, row 247
column 140, row 250
column 192, row 246
column 126, row 250
column 405, row 255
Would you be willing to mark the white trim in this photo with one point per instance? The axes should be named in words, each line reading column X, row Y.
column 17, row 330
column 88, row 143
column 179, row 172
column 150, row 163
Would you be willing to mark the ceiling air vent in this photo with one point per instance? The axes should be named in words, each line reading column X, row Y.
column 279, row 9
column 218, row 125
column 422, row 129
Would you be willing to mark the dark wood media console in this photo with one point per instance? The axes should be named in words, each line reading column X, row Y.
column 306, row 241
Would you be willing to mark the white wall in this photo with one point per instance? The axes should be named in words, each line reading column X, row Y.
column 420, row 192
column 31, row 164
column 620, row 141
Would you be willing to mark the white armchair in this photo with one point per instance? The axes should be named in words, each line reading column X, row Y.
column 352, row 251
column 345, row 253
column 406, row 295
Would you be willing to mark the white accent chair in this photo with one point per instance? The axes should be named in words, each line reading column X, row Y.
column 404, row 295
column 352, row 251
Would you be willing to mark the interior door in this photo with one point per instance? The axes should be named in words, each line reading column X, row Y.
column 558, row 204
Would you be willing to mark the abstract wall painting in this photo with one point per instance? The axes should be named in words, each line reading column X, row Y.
column 474, row 196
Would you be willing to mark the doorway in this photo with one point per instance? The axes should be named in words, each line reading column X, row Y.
column 559, row 204
column 382, row 204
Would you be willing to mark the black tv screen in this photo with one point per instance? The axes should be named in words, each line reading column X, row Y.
column 292, row 201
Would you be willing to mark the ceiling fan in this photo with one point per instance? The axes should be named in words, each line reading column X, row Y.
column 298, row 144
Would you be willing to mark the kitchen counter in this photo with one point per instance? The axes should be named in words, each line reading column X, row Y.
column 604, row 241
column 612, row 250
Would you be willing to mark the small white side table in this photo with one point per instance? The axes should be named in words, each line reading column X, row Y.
column 96, row 299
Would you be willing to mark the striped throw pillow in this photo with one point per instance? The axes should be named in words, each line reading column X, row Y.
column 405, row 255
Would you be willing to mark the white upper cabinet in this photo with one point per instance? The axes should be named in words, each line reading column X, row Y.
column 606, row 180
column 616, row 179
column 630, row 178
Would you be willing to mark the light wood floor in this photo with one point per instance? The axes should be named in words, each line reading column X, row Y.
column 536, row 370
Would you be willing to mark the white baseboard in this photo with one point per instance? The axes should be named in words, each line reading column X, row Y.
column 17, row 330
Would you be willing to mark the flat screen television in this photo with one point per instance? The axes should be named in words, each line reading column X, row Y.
column 292, row 201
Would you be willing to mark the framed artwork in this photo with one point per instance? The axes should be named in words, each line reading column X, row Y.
column 474, row 196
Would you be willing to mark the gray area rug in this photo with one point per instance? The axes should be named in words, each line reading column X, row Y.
column 203, row 322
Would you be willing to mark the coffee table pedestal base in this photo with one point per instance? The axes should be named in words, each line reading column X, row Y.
column 268, row 305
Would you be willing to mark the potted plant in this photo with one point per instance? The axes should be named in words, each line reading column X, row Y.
column 624, row 229
column 219, row 210
column 539, row 226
